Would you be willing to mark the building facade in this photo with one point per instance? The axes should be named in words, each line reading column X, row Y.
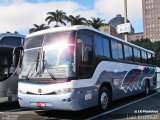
column 112, row 29
column 151, row 19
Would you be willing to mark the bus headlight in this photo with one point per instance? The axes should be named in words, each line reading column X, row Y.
column 22, row 91
column 63, row 91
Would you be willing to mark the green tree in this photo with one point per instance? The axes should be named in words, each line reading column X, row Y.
column 58, row 16
column 76, row 20
column 96, row 22
column 156, row 48
column 145, row 43
column 38, row 28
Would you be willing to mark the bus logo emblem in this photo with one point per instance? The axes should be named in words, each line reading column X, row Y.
column 39, row 90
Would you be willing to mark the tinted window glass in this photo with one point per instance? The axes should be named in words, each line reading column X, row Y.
column 144, row 57
column 114, row 49
column 128, row 53
column 11, row 41
column 85, row 55
column 106, row 48
column 85, row 51
column 98, row 41
column 154, row 59
column 136, row 55
column 34, row 42
column 149, row 58
column 120, row 51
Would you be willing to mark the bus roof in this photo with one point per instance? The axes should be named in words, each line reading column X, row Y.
column 81, row 27
column 10, row 35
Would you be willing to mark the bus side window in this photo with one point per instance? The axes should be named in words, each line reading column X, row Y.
column 136, row 55
column 106, row 48
column 149, row 58
column 144, row 57
column 153, row 59
column 85, row 55
column 120, row 51
column 98, row 44
column 114, row 50
column 128, row 53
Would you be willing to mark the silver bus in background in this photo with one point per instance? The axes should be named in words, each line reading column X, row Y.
column 11, row 46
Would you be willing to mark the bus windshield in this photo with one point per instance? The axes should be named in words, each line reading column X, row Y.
column 52, row 58
column 7, row 46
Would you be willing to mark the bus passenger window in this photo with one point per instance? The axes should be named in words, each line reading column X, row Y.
column 149, row 58
column 98, row 46
column 128, row 53
column 136, row 55
column 154, row 59
column 114, row 50
column 120, row 51
column 144, row 57
column 106, row 48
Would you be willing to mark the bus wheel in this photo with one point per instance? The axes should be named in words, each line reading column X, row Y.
column 104, row 99
column 147, row 88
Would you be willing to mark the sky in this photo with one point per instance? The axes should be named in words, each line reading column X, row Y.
column 20, row 15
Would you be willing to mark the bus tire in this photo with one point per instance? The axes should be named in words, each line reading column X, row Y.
column 147, row 87
column 103, row 99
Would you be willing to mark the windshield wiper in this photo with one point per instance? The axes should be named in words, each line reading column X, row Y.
column 49, row 72
column 32, row 66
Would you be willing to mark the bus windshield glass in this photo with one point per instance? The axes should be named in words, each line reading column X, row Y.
column 53, row 57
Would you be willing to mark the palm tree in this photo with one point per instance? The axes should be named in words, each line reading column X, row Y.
column 38, row 28
column 96, row 22
column 76, row 20
column 58, row 16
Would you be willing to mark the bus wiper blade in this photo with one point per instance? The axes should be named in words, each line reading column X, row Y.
column 32, row 66
column 49, row 72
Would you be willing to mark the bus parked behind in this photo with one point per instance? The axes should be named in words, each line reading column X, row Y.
column 10, row 52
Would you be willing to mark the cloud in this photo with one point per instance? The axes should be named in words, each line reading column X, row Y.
column 20, row 15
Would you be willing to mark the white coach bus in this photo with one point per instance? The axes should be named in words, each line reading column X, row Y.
column 74, row 68
column 10, row 52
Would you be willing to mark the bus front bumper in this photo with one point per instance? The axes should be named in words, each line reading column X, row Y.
column 57, row 102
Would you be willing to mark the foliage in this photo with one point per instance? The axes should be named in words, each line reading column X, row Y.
column 76, row 20
column 154, row 46
column 38, row 28
column 58, row 16
column 96, row 22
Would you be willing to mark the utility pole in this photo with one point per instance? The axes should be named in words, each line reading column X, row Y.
column 125, row 17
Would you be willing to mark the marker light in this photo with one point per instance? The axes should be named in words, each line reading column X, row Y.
column 22, row 91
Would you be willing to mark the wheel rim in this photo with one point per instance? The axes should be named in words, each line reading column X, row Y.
column 104, row 100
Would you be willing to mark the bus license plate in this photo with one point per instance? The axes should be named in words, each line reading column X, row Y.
column 40, row 104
